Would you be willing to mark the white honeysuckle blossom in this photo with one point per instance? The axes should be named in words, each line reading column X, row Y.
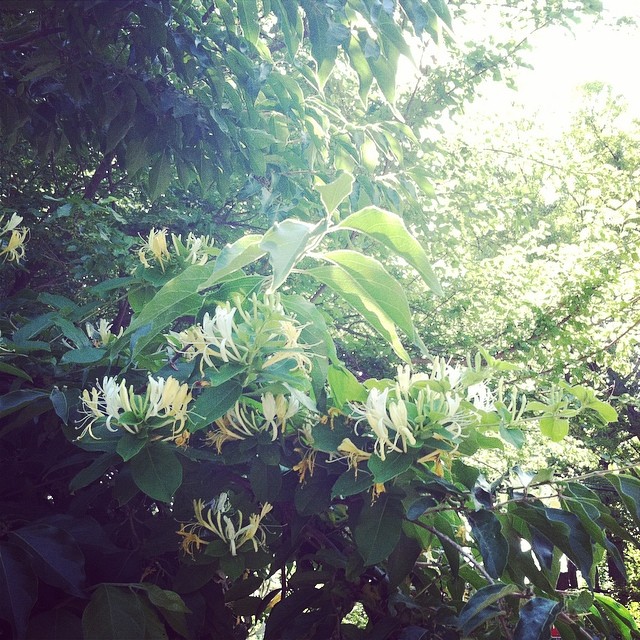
column 400, row 421
column 224, row 528
column 100, row 334
column 406, row 379
column 164, row 403
column 197, row 248
column 375, row 413
column 213, row 338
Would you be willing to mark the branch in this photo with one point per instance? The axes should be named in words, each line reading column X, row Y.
column 461, row 550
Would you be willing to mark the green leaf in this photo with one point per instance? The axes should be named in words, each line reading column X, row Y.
column 213, row 403
column 266, row 481
column 130, row 445
column 606, row 411
column 395, row 463
column 16, row 400
column 18, row 588
column 286, row 242
column 176, row 298
column 160, row 176
column 114, row 613
column 370, row 275
column 390, row 230
column 94, row 471
column 345, row 386
column 334, row 193
column 337, row 279
column 471, row 615
column 234, row 257
column 350, row 483
column 628, row 488
column 402, row 560
column 14, row 371
column 248, row 15
column 378, row 529
column 554, row 428
column 85, row 355
column 536, row 618
column 493, row 546
column 618, row 615
column 55, row 556
column 163, row 598
column 157, row 472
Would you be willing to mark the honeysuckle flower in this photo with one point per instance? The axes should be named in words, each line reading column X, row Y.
column 164, row 403
column 195, row 250
column 14, row 250
column 375, row 413
column 223, row 527
column 292, row 349
column 12, row 223
column 101, row 334
column 156, row 245
column 400, row 421
column 352, row 453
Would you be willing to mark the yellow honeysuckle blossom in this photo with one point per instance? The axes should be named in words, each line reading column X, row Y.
column 306, row 464
column 222, row 526
column 165, row 403
column 156, row 245
column 292, row 349
column 352, row 453
column 13, row 250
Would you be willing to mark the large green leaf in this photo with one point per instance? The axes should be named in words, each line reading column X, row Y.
column 160, row 176
column 176, row 298
column 618, row 615
column 16, row 400
column 18, row 588
column 55, row 556
column 628, row 488
column 335, row 192
column 337, row 279
column 378, row 529
column 395, row 463
column 390, row 230
column 91, row 473
column 286, row 242
column 536, row 618
column 248, row 15
column 234, row 257
column 487, row 531
column 213, row 403
column 345, row 386
column 475, row 612
column 372, row 276
column 157, row 472
column 115, row 613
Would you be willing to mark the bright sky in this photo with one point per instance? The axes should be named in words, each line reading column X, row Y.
column 563, row 61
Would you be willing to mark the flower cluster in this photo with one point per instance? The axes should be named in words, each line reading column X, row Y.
column 259, row 337
column 164, row 404
column 194, row 250
column 101, row 334
column 222, row 526
column 243, row 420
column 12, row 247
column 439, row 405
